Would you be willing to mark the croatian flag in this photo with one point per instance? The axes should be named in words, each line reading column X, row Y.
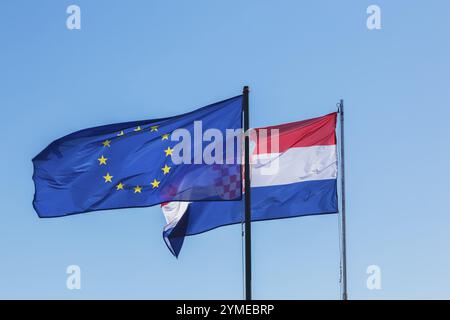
column 293, row 173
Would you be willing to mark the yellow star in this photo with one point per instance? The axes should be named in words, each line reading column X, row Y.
column 166, row 169
column 120, row 186
column 168, row 151
column 155, row 183
column 107, row 143
column 102, row 160
column 165, row 136
column 138, row 128
column 120, row 133
column 108, row 178
column 153, row 128
column 137, row 189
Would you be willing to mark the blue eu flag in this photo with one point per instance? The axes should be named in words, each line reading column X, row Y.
column 142, row 163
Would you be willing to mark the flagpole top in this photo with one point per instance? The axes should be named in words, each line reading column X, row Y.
column 246, row 89
column 340, row 106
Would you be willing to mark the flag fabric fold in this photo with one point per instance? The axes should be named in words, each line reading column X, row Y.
column 131, row 164
column 296, row 178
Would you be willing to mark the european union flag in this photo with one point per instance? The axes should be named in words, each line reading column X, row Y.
column 189, row 157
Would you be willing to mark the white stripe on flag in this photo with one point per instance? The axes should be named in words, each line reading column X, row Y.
column 294, row 165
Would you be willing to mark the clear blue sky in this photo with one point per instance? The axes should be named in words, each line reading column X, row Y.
column 148, row 59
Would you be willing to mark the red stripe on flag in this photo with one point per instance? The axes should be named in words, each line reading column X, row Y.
column 306, row 133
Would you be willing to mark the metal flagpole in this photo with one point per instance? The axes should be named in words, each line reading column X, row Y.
column 248, row 229
column 343, row 235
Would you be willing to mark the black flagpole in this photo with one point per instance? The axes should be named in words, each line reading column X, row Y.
column 343, row 235
column 248, row 228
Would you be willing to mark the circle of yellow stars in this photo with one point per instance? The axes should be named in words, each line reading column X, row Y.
column 108, row 178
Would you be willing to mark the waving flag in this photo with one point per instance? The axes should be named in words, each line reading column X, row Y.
column 296, row 177
column 132, row 164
